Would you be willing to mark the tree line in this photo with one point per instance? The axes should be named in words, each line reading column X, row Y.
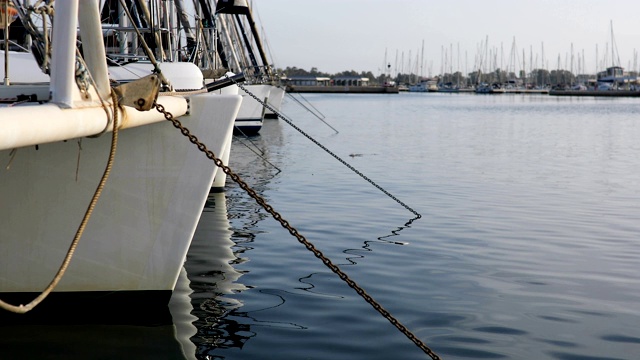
column 290, row 71
column 537, row 77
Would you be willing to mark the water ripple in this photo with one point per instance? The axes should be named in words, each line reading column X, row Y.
column 621, row 339
column 571, row 356
column 467, row 353
column 527, row 247
column 500, row 330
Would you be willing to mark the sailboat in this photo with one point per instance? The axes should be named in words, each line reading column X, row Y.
column 169, row 37
column 100, row 195
column 244, row 52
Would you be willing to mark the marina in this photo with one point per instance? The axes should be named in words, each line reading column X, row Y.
column 526, row 247
column 167, row 192
column 343, row 89
column 613, row 93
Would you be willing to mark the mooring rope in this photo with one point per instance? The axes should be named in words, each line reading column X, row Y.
column 261, row 156
column 314, row 114
column 325, row 149
column 21, row 309
column 285, row 224
column 310, row 104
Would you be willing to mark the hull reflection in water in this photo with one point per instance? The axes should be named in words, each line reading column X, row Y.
column 89, row 341
column 89, row 335
column 218, row 246
column 213, row 279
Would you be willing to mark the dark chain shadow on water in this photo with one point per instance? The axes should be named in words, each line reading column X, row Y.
column 356, row 254
column 381, row 239
column 223, row 323
column 396, row 232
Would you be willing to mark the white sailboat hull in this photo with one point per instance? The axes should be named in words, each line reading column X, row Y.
column 275, row 101
column 220, row 179
column 251, row 114
column 142, row 226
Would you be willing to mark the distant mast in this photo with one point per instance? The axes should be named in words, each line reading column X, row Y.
column 615, row 58
column 422, row 60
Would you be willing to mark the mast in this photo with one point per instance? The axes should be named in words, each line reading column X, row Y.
column 186, row 26
column 596, row 59
column 237, row 43
column 524, row 71
column 252, row 56
column 5, row 21
column 240, row 7
column 613, row 62
column 146, row 13
column 422, row 60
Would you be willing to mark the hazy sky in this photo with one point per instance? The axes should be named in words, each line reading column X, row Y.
column 338, row 35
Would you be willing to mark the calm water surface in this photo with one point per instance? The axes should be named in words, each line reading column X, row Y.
column 528, row 246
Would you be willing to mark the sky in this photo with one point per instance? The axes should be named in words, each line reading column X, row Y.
column 338, row 35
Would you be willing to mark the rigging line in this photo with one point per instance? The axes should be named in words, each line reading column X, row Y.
column 237, row 128
column 264, row 36
column 314, row 114
column 280, row 116
column 250, row 141
column 24, row 13
column 147, row 50
column 294, row 232
column 240, row 140
column 115, row 63
column 301, row 104
column 310, row 104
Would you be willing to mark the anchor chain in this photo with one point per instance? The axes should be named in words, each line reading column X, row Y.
column 418, row 216
column 285, row 224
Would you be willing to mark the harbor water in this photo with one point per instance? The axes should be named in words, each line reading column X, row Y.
column 527, row 247
column 528, row 244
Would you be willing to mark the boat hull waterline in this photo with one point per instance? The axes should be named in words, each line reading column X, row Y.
column 251, row 113
column 141, row 229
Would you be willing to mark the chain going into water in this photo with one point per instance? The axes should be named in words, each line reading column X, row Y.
column 418, row 216
column 262, row 202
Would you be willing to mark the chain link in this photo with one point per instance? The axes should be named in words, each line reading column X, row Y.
column 285, row 224
column 418, row 216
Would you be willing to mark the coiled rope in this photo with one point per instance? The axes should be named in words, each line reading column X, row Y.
column 21, row 309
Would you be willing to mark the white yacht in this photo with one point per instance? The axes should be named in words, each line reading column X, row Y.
column 90, row 220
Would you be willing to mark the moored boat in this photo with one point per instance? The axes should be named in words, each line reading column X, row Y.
column 275, row 101
column 490, row 89
column 56, row 153
column 252, row 112
column 424, row 85
column 247, row 55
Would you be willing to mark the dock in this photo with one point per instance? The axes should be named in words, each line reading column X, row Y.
column 600, row 93
column 337, row 89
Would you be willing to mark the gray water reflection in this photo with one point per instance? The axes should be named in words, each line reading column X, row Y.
column 527, row 247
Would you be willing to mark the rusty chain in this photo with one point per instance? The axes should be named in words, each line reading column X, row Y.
column 285, row 224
